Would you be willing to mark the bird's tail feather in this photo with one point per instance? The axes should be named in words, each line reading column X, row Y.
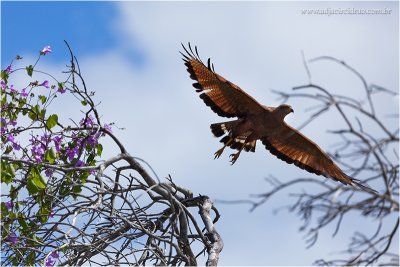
column 221, row 128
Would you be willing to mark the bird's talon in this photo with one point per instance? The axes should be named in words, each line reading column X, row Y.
column 234, row 158
column 218, row 153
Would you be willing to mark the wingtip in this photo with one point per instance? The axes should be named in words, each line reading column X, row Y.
column 190, row 53
column 356, row 183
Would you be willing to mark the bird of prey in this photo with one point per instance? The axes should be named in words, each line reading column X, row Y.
column 257, row 122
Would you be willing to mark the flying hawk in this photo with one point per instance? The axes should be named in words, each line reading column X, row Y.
column 257, row 122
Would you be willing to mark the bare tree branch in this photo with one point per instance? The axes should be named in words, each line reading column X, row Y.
column 366, row 150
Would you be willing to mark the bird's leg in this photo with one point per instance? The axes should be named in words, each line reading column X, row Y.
column 221, row 150
column 236, row 156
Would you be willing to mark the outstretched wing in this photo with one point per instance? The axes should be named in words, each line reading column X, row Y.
column 223, row 97
column 291, row 146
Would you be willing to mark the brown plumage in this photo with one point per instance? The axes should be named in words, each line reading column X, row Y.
column 257, row 122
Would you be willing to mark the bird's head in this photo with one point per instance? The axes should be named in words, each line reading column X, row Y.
column 283, row 110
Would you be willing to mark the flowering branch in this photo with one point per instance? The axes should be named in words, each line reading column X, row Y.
column 64, row 204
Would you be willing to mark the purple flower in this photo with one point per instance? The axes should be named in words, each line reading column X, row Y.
column 16, row 146
column 12, row 238
column 50, row 261
column 88, row 121
column 37, row 152
column 13, row 123
column 12, row 89
column 51, row 215
column 45, row 84
column 3, row 84
column 38, row 158
column 71, row 153
column 49, row 172
column 8, row 69
column 8, row 204
column 108, row 127
column 93, row 139
column 57, row 141
column 32, row 140
column 24, row 94
column 45, row 138
column 3, row 126
column 61, row 90
column 10, row 138
column 79, row 163
column 46, row 50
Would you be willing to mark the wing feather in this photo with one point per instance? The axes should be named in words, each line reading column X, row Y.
column 223, row 97
column 291, row 146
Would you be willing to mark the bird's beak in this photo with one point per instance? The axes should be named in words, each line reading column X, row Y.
column 291, row 110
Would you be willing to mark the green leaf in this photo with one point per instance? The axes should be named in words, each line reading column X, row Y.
column 76, row 190
column 83, row 176
column 32, row 188
column 12, row 170
column 43, row 214
column 4, row 210
column 30, row 259
column 53, row 152
column 39, row 181
column 99, row 148
column 84, row 102
column 42, row 98
column 3, row 99
column 90, row 158
column 21, row 221
column 50, row 156
column 36, row 109
column 4, row 75
column 29, row 70
column 13, row 115
column 7, row 173
column 8, row 150
column 52, row 121
column 65, row 189
column 14, row 194
column 34, row 113
column 42, row 113
column 22, row 102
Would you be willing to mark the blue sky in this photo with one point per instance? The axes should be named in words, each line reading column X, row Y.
column 128, row 53
column 86, row 25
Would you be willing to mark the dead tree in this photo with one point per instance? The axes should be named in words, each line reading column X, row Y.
column 368, row 150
